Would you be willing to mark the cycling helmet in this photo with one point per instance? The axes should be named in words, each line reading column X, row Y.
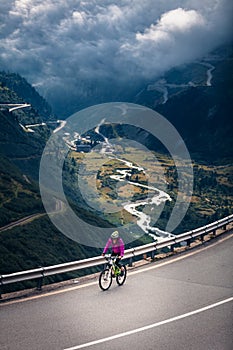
column 115, row 234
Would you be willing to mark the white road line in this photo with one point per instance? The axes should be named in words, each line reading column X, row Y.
column 137, row 330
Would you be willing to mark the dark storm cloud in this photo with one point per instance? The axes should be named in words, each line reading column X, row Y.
column 57, row 43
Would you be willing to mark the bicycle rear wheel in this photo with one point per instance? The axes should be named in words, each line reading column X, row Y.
column 105, row 279
column 121, row 279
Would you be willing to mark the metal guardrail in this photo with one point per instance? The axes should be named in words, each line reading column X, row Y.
column 42, row 272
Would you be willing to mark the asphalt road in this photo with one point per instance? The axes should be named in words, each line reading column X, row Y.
column 182, row 303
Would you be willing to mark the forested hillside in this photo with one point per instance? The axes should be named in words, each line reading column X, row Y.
column 38, row 242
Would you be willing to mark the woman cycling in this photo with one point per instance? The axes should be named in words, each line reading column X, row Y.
column 118, row 247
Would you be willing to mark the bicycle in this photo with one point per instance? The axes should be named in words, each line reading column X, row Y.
column 111, row 271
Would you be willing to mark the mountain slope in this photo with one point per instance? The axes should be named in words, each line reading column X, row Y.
column 38, row 242
column 203, row 115
column 26, row 92
column 19, row 195
column 24, row 148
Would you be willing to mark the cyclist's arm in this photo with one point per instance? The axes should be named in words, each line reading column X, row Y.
column 107, row 246
column 122, row 248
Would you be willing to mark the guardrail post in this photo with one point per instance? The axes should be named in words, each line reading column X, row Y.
column 1, row 287
column 153, row 255
column 202, row 237
column 214, row 232
column 224, row 227
column 188, row 242
column 131, row 261
column 40, row 281
column 172, row 248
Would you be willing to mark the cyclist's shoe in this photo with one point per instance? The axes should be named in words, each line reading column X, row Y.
column 122, row 273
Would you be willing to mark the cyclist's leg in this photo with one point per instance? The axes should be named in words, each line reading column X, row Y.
column 120, row 266
column 118, row 263
column 113, row 254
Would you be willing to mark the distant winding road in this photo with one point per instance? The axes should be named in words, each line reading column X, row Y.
column 27, row 219
column 22, row 221
column 183, row 303
column 61, row 126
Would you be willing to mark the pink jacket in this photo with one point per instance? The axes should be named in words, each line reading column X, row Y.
column 117, row 248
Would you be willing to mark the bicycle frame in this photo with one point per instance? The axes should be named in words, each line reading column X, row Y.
column 111, row 263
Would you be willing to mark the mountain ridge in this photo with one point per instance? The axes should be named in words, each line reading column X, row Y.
column 40, row 242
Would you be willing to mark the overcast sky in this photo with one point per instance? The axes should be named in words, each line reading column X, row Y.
column 57, row 43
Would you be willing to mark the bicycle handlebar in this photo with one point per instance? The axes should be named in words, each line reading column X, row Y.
column 110, row 257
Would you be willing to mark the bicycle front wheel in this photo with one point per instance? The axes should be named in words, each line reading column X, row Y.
column 105, row 279
column 121, row 279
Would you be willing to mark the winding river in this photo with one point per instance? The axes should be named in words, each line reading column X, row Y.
column 143, row 220
column 159, row 197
